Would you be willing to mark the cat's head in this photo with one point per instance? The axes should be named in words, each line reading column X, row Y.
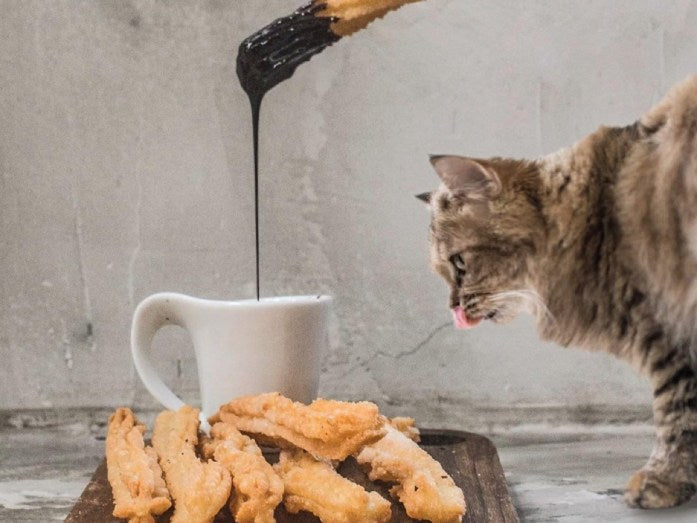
column 486, row 229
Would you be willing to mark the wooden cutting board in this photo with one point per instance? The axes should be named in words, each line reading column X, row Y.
column 469, row 458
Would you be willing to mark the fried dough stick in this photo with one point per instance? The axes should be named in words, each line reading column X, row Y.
column 257, row 489
column 135, row 477
column 424, row 488
column 407, row 427
column 199, row 489
column 354, row 15
column 316, row 487
column 327, row 429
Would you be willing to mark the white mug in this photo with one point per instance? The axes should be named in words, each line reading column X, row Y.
column 241, row 347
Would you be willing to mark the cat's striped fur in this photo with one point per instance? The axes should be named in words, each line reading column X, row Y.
column 604, row 234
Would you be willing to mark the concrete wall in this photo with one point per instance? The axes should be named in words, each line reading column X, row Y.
column 125, row 155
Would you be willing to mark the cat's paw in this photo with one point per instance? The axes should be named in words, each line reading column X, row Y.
column 646, row 489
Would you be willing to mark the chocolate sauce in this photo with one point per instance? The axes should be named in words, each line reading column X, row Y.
column 270, row 56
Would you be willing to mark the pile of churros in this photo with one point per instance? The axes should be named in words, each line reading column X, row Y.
column 199, row 475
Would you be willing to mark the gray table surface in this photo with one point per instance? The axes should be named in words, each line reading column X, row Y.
column 567, row 474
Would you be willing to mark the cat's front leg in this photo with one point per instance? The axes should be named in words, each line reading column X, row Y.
column 669, row 478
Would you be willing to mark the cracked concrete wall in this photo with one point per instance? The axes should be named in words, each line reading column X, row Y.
column 125, row 153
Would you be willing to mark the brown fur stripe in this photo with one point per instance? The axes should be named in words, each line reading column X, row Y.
column 663, row 362
column 651, row 338
column 636, row 298
column 683, row 373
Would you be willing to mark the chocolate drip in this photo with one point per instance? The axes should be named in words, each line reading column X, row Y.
column 271, row 56
column 256, row 108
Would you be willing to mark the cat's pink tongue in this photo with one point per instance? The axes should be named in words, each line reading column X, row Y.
column 462, row 321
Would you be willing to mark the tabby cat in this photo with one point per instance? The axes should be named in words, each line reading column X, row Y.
column 601, row 239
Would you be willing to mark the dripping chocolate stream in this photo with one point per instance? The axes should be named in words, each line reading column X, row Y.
column 270, row 56
column 256, row 107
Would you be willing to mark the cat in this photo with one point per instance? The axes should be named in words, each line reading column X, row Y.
column 599, row 240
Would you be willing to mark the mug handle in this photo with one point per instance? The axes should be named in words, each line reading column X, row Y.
column 151, row 314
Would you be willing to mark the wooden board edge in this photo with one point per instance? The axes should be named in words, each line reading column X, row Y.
column 83, row 504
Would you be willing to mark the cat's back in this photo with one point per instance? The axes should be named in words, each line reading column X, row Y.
column 657, row 203
column 677, row 110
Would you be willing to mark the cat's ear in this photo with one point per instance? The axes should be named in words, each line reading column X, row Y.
column 424, row 197
column 466, row 177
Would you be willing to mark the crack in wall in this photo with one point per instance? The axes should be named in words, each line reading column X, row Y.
column 417, row 348
column 136, row 250
column 130, row 283
column 138, row 212
column 363, row 364
column 79, row 241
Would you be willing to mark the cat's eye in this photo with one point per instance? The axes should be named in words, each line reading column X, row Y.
column 458, row 262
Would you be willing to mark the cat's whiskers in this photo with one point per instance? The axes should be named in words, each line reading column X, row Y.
column 471, row 302
column 531, row 299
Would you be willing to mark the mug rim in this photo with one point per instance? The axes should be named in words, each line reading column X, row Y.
column 284, row 300
column 270, row 301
